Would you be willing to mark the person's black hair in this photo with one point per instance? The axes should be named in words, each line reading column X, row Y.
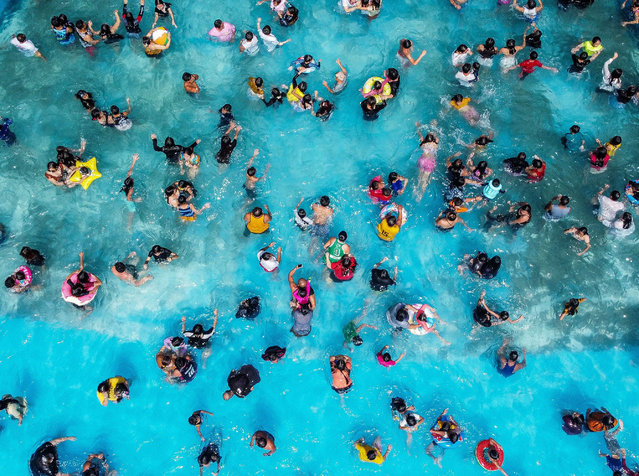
column 466, row 68
column 582, row 230
column 583, row 55
column 391, row 220
column 451, row 215
column 340, row 364
column 105, row 29
column 387, row 192
column 120, row 267
column 411, row 420
column 627, row 220
column 146, row 41
column 301, row 213
column 575, row 128
column 266, row 30
column 103, row 387
column 346, row 262
column 248, row 35
column 564, row 200
column 227, row 106
column 384, row 274
column 510, row 43
column 302, row 86
column 78, row 24
column 259, row 82
column 392, row 73
column 121, row 388
column 181, row 199
column 504, row 315
column 461, row 48
column 401, row 315
column 616, row 140
column 453, row 436
column 51, row 166
column 357, row 340
column 195, row 419
column 55, row 22
column 251, row 171
column 596, row 39
column 537, row 163
column 531, row 4
column 386, row 357
column 514, row 355
column 324, row 201
column 490, row 42
column 371, row 454
column 495, row 183
column 456, row 98
column 398, row 404
column 217, row 23
column 198, row 329
column 533, row 55
column 493, row 453
column 21, row 37
column 616, row 73
column 392, row 176
column 370, row 101
column 307, row 98
column 257, row 212
column 186, row 77
column 83, row 277
column 261, row 441
column 608, row 420
column 115, row 110
column 406, row 43
column 10, row 282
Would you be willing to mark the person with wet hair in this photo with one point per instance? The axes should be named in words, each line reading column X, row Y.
column 372, row 453
column 44, row 461
column 25, row 46
column 380, row 278
column 196, row 420
column 266, row 441
column 580, row 234
column 509, row 365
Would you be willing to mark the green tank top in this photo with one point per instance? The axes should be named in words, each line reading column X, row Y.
column 335, row 251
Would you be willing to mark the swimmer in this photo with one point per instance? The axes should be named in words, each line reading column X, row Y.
column 380, row 278
column 227, row 145
column 86, row 38
column 398, row 316
column 609, row 207
column 483, row 315
column 90, row 468
column 82, row 283
column 7, row 135
column 26, row 47
column 352, row 330
column 249, row 308
column 579, row 63
column 448, row 218
column 190, row 85
column 516, row 165
column 251, row 179
column 509, row 365
column 170, row 149
column 128, row 189
column 467, row 111
column 274, row 353
column 121, row 120
column 257, row 222
column 187, row 211
column 372, row 454
column 198, row 337
column 270, row 40
column 537, row 170
column 341, row 79
column 477, row 174
column 269, row 262
column 533, row 39
column 114, row 390
column 529, row 65
column 325, row 109
column 151, row 48
column 163, row 10
column 249, row 44
column 378, row 193
column 335, row 249
column 445, row 432
column 467, row 75
column 479, row 145
column 277, row 97
column 108, row 32
column 461, row 55
column 341, row 373
column 44, row 461
column 574, row 140
column 302, row 292
column 510, row 51
column 573, row 423
column 322, row 216
column 531, row 10
column 301, row 218
column 264, row 440
column 192, row 162
column 600, row 420
column 458, row 4
column 515, row 219
column 32, row 257
column 486, row 52
column 429, row 145
column 370, row 108
column 226, row 116
column 580, row 234
column 196, row 420
column 561, row 210
column 592, row 48
column 15, row 407
column 634, row 16
column 397, row 183
column 241, row 382
column 277, row 6
column 617, row 463
column 599, row 159
column 344, row 269
column 399, row 408
column 612, row 146
column 384, row 359
column 610, row 437
column 623, row 225
column 410, row 422
column 209, row 454
column 405, row 53
column 611, row 80
column 86, row 99
column 128, row 272
column 131, row 24
column 390, row 225
column 160, row 255
column 570, row 308
column 63, row 29
column 304, row 65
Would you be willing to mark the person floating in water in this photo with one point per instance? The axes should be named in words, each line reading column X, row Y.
column 372, row 453
column 509, row 365
column 44, row 461
column 264, row 440
column 196, row 420
column 26, row 47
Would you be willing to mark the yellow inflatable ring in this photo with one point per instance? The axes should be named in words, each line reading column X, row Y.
column 368, row 87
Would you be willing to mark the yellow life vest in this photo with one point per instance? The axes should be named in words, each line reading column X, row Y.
column 294, row 95
column 387, row 232
column 113, row 381
column 464, row 103
column 257, row 225
column 363, row 454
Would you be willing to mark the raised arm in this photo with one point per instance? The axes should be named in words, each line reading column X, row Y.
column 255, row 152
column 116, row 25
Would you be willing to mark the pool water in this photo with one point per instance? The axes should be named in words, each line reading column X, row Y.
column 56, row 357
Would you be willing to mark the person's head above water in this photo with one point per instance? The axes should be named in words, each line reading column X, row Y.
column 513, row 356
column 325, row 201
column 575, row 129
column 401, row 314
column 533, row 55
column 564, row 200
column 257, row 212
column 461, row 48
column 406, row 43
column 218, row 24
column 261, row 441
column 466, row 68
column 342, row 236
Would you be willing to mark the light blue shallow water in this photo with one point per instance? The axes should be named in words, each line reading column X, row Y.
column 56, row 359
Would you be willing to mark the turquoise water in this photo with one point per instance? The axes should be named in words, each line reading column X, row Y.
column 56, row 358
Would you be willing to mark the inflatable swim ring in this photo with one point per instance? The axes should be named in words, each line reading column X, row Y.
column 312, row 67
column 160, row 36
column 78, row 300
column 368, row 87
column 393, row 208
column 28, row 277
column 430, row 320
column 87, row 180
column 479, row 454
column 629, row 195
column 442, row 441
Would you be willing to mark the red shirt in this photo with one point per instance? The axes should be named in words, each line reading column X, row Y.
column 342, row 273
column 529, row 65
column 536, row 175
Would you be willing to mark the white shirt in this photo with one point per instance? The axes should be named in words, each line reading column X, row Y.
column 303, row 223
column 609, row 84
column 269, row 40
column 269, row 265
column 250, row 47
column 460, row 58
column 465, row 79
column 608, row 209
column 27, row 48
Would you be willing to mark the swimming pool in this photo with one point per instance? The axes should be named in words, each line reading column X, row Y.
column 56, row 359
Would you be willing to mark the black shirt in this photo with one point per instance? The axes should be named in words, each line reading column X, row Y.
column 249, row 308
column 379, row 282
column 241, row 381
column 39, row 467
column 481, row 316
column 162, row 256
column 224, row 154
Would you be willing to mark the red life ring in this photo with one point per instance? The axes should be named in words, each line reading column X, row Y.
column 479, row 454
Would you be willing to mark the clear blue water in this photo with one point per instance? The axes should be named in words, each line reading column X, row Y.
column 56, row 359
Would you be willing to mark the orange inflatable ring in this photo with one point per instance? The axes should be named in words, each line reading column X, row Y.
column 479, row 454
